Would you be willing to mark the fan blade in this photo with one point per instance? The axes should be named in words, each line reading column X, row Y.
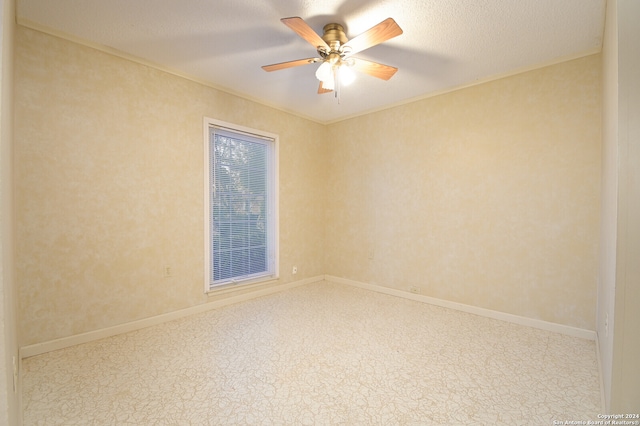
column 384, row 31
column 322, row 90
column 304, row 30
column 283, row 65
column 375, row 69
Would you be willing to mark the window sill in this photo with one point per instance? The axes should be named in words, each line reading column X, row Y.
column 230, row 288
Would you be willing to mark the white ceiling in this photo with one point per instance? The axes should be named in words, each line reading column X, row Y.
column 446, row 43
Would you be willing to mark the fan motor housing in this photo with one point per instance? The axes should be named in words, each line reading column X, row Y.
column 334, row 33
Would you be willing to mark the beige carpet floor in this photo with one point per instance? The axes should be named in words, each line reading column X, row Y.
column 325, row 354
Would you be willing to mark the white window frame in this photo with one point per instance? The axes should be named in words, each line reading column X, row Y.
column 272, row 206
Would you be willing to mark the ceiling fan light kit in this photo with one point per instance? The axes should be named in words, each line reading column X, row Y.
column 325, row 73
column 335, row 49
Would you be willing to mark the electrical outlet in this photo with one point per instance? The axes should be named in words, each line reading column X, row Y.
column 414, row 289
column 294, row 270
column 167, row 271
column 606, row 324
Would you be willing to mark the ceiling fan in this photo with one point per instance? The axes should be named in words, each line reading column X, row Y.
column 335, row 52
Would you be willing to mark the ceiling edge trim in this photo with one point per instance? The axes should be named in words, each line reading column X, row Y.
column 477, row 82
column 120, row 54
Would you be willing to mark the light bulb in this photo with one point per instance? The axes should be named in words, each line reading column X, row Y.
column 346, row 75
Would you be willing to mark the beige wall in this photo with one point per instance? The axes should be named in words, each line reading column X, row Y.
column 109, row 187
column 619, row 288
column 10, row 413
column 609, row 222
column 487, row 196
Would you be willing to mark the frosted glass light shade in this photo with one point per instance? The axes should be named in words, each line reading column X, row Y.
column 329, row 84
column 324, row 72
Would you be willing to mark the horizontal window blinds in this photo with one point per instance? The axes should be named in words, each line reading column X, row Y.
column 240, row 210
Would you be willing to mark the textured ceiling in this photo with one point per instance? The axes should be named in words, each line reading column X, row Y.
column 446, row 43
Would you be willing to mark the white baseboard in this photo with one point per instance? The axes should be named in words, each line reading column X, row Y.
column 65, row 342
column 516, row 319
column 52, row 345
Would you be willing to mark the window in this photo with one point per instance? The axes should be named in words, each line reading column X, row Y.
column 240, row 205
